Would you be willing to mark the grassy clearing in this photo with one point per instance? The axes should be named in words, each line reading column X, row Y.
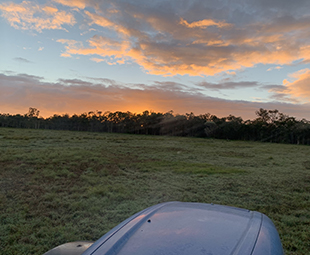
column 61, row 186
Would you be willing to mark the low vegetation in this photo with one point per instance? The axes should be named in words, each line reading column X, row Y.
column 62, row 186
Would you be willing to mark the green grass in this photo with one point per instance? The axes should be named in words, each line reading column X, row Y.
column 61, row 186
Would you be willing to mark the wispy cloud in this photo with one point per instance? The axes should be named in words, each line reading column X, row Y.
column 274, row 68
column 228, row 85
column 104, row 22
column 204, row 23
column 77, row 96
column 81, row 4
column 275, row 88
column 97, row 60
column 22, row 60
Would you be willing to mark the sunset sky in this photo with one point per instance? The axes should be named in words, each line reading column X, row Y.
column 220, row 57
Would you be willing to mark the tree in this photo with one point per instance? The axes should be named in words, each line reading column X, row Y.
column 262, row 115
column 33, row 112
column 32, row 116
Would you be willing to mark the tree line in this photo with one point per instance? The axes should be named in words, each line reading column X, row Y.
column 268, row 126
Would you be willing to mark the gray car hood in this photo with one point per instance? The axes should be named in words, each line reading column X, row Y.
column 191, row 228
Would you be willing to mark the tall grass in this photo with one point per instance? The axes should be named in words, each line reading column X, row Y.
column 62, row 186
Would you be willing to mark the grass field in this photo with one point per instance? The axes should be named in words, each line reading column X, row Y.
column 62, row 186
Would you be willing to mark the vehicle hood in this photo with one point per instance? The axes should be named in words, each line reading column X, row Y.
column 190, row 228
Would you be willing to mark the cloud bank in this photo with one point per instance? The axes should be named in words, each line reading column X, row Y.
column 78, row 96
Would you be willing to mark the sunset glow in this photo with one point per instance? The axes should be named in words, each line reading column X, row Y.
column 73, row 56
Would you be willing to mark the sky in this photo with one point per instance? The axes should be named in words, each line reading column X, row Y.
column 203, row 56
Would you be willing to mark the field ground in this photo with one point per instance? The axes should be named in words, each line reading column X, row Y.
column 62, row 186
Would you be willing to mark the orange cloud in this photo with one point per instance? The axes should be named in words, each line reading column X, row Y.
column 300, row 86
column 305, row 52
column 105, row 22
column 50, row 10
column 204, row 23
column 28, row 15
column 177, row 60
column 81, row 4
column 99, row 20
column 113, row 51
column 211, row 42
column 71, row 47
column 97, row 60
